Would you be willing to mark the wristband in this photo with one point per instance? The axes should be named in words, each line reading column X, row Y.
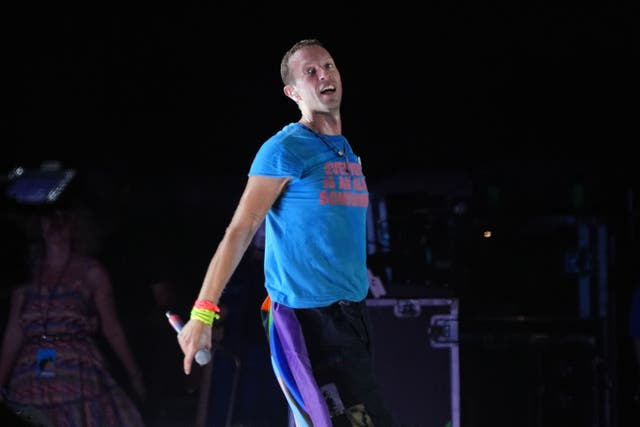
column 204, row 315
column 207, row 305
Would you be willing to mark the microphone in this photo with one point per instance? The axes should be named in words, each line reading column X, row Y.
column 203, row 356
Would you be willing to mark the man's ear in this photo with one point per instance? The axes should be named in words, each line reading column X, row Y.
column 291, row 92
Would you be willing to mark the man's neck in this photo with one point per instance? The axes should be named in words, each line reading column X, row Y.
column 323, row 123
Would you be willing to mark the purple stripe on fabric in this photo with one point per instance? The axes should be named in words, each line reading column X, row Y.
column 295, row 350
column 281, row 367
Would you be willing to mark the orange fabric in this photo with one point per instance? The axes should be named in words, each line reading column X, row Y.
column 266, row 304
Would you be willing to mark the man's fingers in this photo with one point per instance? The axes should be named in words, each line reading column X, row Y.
column 188, row 353
column 188, row 361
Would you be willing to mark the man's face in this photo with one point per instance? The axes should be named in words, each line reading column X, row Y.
column 316, row 80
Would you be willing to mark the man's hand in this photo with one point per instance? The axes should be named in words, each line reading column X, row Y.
column 194, row 336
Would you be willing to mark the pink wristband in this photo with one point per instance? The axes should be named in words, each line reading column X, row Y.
column 206, row 305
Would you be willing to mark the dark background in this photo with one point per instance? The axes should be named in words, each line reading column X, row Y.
column 196, row 86
column 466, row 116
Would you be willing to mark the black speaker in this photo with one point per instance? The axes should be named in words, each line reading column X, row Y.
column 416, row 359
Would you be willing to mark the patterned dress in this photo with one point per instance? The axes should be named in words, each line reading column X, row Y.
column 60, row 373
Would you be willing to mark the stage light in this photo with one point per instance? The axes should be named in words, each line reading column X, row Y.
column 39, row 186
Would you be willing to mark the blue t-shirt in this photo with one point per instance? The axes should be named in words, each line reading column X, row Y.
column 315, row 233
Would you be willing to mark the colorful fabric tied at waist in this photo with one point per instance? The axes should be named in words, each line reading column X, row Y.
column 292, row 366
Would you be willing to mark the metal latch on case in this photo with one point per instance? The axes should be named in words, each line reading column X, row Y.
column 406, row 309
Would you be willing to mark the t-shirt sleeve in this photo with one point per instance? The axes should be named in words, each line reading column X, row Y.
column 274, row 159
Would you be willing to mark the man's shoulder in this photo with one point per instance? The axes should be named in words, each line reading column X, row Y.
column 288, row 132
column 286, row 138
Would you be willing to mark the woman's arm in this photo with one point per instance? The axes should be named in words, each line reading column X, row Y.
column 13, row 337
column 111, row 326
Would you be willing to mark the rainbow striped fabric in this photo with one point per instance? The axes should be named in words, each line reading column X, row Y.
column 292, row 366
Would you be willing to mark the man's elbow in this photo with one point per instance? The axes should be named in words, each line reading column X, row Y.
column 242, row 232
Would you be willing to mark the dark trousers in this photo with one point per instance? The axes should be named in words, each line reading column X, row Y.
column 339, row 344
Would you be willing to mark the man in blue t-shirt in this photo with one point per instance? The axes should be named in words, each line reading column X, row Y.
column 306, row 184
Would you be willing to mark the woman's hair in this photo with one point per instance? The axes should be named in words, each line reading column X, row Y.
column 83, row 230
